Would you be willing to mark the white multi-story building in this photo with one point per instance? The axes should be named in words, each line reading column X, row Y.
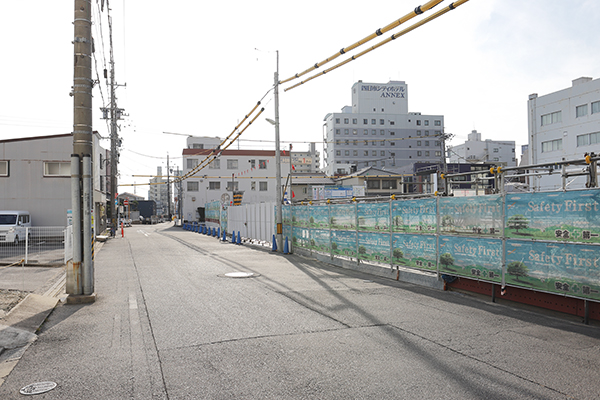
column 252, row 172
column 158, row 192
column 475, row 150
column 564, row 125
column 306, row 161
column 378, row 131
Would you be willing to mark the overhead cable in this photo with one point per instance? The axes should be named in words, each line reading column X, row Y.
column 417, row 11
column 452, row 6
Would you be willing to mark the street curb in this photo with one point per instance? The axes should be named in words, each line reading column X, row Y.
column 18, row 329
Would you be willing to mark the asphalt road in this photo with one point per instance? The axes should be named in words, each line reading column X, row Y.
column 168, row 324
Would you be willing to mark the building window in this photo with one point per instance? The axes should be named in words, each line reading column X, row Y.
column 338, row 142
column 418, row 142
column 382, row 153
column 354, row 121
column 373, row 184
column 214, row 185
column 215, row 164
column 392, row 143
column 382, row 131
column 388, row 184
column 337, row 120
column 596, row 107
column 393, row 154
column 496, row 150
column 392, row 133
column 252, row 163
column 381, row 122
column 437, row 122
column 419, row 153
column 232, row 164
column 193, row 186
column 373, row 131
column 373, row 143
column 374, row 153
column 262, row 164
column 346, row 120
column 382, row 142
column 346, row 131
column 438, row 153
column 581, row 111
column 191, row 163
column 366, row 142
column 355, row 152
column 587, row 139
column 366, row 153
column 347, row 142
column 337, row 131
column 232, row 186
column 496, row 159
column 418, row 133
column 338, row 152
column 347, row 152
column 355, row 142
column 197, row 145
column 438, row 143
column 365, row 121
column 373, row 121
column 355, row 131
column 426, row 154
column 57, row 169
column 418, row 122
column 4, row 168
column 426, row 122
column 427, row 143
column 365, row 131
column 426, row 133
column 552, row 145
column 262, row 186
column 552, row 118
column 253, row 185
column 392, row 122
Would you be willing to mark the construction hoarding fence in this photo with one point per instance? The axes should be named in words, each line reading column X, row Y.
column 547, row 242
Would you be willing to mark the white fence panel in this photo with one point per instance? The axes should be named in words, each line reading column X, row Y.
column 255, row 221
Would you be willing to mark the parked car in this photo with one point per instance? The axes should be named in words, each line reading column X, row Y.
column 13, row 226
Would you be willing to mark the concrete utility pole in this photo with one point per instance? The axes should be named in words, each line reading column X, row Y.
column 278, row 213
column 80, row 281
column 114, row 137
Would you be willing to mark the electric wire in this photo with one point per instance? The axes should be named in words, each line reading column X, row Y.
column 452, row 6
column 417, row 11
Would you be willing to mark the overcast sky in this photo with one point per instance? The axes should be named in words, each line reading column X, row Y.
column 196, row 68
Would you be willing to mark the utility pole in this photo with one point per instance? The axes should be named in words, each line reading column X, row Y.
column 278, row 213
column 80, row 272
column 114, row 113
column 168, row 189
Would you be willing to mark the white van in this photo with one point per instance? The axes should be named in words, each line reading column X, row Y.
column 13, row 226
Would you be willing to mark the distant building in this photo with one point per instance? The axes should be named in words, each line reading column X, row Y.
column 475, row 150
column 250, row 172
column 378, row 131
column 35, row 176
column 159, row 193
column 564, row 125
column 306, row 161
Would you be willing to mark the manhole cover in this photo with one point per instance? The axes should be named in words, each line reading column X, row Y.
column 38, row 388
column 239, row 274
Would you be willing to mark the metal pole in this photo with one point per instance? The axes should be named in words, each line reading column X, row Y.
column 88, row 266
column 278, row 213
column 73, row 284
column 168, row 189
